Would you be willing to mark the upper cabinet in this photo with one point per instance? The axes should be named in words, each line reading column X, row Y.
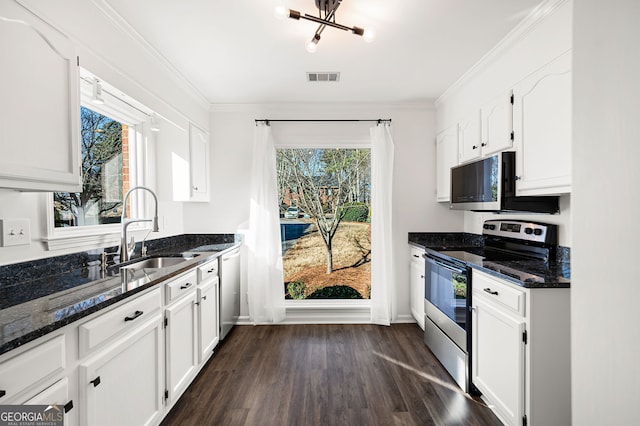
column 39, row 106
column 446, row 157
column 497, row 124
column 542, row 129
column 469, row 136
column 199, row 153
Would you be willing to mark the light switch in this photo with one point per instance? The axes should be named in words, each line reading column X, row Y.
column 15, row 232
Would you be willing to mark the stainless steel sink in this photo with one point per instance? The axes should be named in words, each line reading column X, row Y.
column 156, row 263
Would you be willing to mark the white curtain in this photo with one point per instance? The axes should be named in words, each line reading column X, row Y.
column 264, row 267
column 381, row 207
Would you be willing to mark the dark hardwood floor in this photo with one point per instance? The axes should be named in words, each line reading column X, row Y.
column 326, row 375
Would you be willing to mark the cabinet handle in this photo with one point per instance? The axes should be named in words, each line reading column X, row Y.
column 211, row 270
column 415, row 255
column 68, row 406
column 483, row 144
column 95, row 381
column 187, row 285
column 195, row 188
column 421, row 276
column 488, row 290
column 475, row 147
column 135, row 315
column 2, row 393
column 204, row 297
column 517, row 177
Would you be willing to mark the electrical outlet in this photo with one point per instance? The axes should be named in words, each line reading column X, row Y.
column 15, row 232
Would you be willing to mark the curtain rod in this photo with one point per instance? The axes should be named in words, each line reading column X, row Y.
column 378, row 120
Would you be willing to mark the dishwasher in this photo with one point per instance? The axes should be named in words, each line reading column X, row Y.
column 229, row 267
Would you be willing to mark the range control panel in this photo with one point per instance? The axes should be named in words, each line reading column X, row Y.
column 522, row 230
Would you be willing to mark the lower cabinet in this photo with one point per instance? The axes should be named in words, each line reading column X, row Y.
column 521, row 351
column 416, row 284
column 180, row 345
column 122, row 385
column 498, row 358
column 208, row 328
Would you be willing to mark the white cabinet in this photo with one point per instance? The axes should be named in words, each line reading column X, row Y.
column 208, row 327
column 497, row 124
column 416, row 284
column 498, row 358
column 199, row 159
column 180, row 343
column 469, row 137
column 446, row 157
column 122, row 384
column 542, row 129
column 39, row 106
column 521, row 351
column 57, row 394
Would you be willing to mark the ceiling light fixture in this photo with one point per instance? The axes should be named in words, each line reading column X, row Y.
column 326, row 18
column 96, row 97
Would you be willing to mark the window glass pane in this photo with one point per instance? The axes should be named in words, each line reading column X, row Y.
column 104, row 157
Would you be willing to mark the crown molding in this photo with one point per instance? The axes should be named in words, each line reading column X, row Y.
column 528, row 24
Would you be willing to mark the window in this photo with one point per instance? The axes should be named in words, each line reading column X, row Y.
column 114, row 137
column 104, row 152
column 326, row 225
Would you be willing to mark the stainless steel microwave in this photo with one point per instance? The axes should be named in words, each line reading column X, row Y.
column 489, row 184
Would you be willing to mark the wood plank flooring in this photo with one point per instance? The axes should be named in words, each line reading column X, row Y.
column 326, row 375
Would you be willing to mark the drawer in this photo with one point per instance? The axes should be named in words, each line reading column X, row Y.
column 208, row 271
column 119, row 320
column 31, row 367
column 501, row 293
column 180, row 286
column 416, row 254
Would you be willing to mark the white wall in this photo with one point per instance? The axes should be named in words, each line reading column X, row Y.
column 606, row 200
column 415, row 209
column 107, row 50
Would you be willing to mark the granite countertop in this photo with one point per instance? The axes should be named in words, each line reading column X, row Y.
column 41, row 296
column 469, row 249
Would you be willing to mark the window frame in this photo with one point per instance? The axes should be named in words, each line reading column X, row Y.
column 129, row 112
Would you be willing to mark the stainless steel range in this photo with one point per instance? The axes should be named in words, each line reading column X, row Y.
column 448, row 286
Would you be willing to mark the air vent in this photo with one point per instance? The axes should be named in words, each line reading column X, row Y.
column 332, row 77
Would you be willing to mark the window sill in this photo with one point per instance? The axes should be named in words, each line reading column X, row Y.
column 330, row 311
column 82, row 241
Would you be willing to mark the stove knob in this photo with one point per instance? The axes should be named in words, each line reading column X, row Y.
column 528, row 231
column 537, row 231
column 485, row 226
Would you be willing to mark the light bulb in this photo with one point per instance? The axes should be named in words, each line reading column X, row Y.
column 281, row 12
column 311, row 46
column 369, row 35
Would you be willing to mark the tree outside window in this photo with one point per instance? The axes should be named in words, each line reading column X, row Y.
column 104, row 142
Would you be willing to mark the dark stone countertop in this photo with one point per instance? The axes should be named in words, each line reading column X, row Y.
column 41, row 296
column 469, row 249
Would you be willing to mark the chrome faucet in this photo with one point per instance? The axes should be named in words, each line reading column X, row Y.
column 127, row 247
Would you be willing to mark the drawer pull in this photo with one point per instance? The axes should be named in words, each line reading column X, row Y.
column 204, row 297
column 68, row 406
column 488, row 290
column 211, row 270
column 2, row 393
column 415, row 255
column 187, row 285
column 95, row 382
column 135, row 315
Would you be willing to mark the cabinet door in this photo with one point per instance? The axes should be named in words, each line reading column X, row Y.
column 446, row 157
column 542, row 130
column 199, row 148
column 498, row 353
column 208, row 328
column 469, row 137
column 39, row 105
column 497, row 124
column 57, row 394
column 181, row 345
column 123, row 386
column 417, row 286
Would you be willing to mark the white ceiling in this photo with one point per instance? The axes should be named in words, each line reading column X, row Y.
column 236, row 51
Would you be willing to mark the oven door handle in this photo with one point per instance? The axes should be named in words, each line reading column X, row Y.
column 447, row 266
